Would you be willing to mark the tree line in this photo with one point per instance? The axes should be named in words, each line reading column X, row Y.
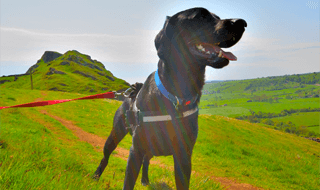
column 289, row 127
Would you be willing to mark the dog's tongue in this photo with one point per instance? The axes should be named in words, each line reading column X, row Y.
column 227, row 55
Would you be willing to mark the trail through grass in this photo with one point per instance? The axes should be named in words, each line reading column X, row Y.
column 38, row 150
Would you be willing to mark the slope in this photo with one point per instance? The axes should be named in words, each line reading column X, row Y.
column 38, row 150
column 69, row 72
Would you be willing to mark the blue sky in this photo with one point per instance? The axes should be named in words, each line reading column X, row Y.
column 282, row 36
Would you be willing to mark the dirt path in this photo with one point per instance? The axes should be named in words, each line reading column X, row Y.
column 94, row 140
column 122, row 153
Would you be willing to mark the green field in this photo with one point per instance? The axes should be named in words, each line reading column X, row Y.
column 39, row 152
column 272, row 95
column 306, row 119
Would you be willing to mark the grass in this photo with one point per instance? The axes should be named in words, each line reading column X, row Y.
column 39, row 152
column 259, row 155
column 231, row 99
column 226, row 111
column 307, row 119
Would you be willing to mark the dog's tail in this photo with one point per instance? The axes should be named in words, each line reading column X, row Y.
column 135, row 90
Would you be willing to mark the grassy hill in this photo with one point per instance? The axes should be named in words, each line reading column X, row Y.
column 69, row 72
column 39, row 151
column 266, row 83
column 276, row 101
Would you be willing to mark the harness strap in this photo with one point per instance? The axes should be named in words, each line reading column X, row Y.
column 167, row 117
column 135, row 116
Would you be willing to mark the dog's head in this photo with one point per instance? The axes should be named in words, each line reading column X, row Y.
column 198, row 35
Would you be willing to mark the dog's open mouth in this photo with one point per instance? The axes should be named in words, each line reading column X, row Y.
column 210, row 51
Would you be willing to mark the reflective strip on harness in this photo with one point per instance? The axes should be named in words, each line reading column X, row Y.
column 167, row 117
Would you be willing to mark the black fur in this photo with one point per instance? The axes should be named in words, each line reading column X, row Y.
column 182, row 71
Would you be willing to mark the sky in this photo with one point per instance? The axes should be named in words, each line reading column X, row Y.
column 282, row 36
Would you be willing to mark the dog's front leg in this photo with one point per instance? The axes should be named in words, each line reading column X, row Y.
column 146, row 162
column 182, row 170
column 133, row 167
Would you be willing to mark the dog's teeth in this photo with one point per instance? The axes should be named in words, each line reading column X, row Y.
column 203, row 49
column 199, row 46
column 220, row 54
column 208, row 52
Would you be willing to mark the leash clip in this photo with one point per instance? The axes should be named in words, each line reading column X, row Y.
column 126, row 93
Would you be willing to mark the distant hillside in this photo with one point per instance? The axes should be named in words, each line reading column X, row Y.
column 69, row 72
column 267, row 83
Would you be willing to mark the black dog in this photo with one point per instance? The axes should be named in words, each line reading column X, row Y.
column 162, row 114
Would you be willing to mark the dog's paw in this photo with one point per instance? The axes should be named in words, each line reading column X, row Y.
column 144, row 182
column 95, row 177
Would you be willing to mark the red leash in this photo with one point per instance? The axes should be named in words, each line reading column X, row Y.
column 51, row 102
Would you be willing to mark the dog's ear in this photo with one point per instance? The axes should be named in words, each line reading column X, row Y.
column 162, row 41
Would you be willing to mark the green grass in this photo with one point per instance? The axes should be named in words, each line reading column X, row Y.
column 258, row 155
column 307, row 119
column 231, row 99
column 39, row 152
column 227, row 111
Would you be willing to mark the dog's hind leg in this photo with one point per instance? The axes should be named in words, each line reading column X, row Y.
column 118, row 132
column 146, row 162
column 133, row 167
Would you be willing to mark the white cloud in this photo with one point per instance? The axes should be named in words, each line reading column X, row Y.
column 24, row 45
column 276, row 52
column 261, row 57
column 256, row 56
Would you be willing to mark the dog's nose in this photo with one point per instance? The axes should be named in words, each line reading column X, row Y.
column 239, row 22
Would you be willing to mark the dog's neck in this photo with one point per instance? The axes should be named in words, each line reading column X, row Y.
column 183, row 81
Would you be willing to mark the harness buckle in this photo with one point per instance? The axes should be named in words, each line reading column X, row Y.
column 178, row 107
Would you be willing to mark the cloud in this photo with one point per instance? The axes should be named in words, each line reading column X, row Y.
column 276, row 52
column 122, row 54
column 261, row 57
column 24, row 45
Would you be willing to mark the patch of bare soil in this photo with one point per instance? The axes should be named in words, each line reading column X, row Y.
column 122, row 153
column 94, row 140
column 234, row 185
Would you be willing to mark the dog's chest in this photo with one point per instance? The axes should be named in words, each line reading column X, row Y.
column 162, row 138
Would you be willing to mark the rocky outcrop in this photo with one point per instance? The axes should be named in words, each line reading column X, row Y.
column 50, row 56
column 85, row 75
column 32, row 68
column 54, row 71
column 108, row 77
column 65, row 63
column 81, row 61
column 3, row 81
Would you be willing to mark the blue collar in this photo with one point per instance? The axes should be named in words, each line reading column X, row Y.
column 174, row 99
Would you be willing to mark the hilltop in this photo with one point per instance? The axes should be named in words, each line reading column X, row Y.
column 68, row 72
